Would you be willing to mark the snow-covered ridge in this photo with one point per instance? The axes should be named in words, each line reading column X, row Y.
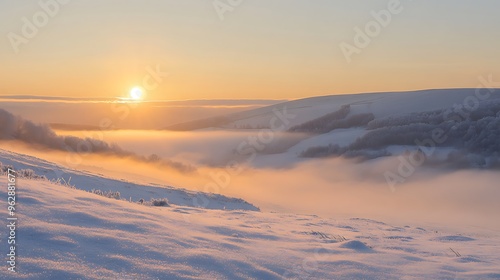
column 452, row 128
column 128, row 190
column 381, row 104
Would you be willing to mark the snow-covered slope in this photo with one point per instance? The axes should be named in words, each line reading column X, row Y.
column 66, row 233
column 128, row 190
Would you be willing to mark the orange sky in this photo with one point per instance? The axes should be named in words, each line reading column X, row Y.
column 261, row 49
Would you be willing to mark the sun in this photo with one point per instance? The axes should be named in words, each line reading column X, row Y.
column 136, row 93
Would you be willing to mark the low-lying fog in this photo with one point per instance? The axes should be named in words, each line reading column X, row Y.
column 331, row 187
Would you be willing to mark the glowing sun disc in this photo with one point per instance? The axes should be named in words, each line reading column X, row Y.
column 136, row 93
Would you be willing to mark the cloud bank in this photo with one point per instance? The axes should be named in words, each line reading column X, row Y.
column 41, row 135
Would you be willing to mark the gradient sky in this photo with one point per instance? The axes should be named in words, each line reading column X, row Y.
column 262, row 49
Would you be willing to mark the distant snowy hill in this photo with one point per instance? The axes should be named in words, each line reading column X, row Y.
column 456, row 128
column 380, row 104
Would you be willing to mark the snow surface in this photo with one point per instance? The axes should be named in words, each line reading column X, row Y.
column 67, row 233
column 87, row 181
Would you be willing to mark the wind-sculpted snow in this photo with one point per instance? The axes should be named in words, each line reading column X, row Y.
column 67, row 233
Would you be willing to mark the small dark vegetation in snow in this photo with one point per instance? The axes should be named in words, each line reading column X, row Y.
column 5, row 168
column 23, row 173
column 108, row 194
column 161, row 202
column 30, row 174
column 158, row 202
